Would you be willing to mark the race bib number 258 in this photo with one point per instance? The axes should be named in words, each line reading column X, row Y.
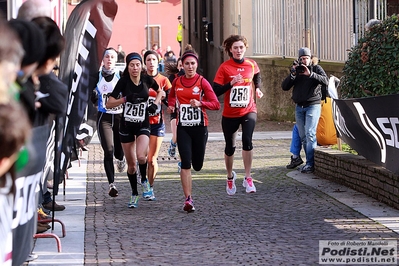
column 239, row 96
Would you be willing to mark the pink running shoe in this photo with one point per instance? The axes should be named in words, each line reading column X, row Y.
column 231, row 185
column 249, row 185
column 189, row 205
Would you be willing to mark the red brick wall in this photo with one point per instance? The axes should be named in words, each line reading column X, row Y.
column 131, row 19
column 359, row 174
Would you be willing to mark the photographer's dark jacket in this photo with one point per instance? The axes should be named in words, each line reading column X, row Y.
column 307, row 90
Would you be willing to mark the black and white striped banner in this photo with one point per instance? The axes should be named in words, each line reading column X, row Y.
column 87, row 34
column 371, row 127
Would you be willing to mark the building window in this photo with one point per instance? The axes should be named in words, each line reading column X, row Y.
column 153, row 34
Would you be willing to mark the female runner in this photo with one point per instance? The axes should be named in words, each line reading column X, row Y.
column 192, row 94
column 108, row 119
column 237, row 79
column 157, row 125
column 134, row 128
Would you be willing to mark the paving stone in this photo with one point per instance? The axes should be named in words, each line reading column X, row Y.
column 280, row 224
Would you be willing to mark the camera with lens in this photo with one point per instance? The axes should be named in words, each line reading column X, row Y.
column 300, row 67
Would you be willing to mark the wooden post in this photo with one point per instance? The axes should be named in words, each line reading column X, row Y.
column 339, row 143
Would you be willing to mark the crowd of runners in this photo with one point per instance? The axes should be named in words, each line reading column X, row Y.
column 131, row 118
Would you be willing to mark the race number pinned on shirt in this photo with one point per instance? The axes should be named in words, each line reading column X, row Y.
column 189, row 115
column 103, row 103
column 135, row 113
column 239, row 96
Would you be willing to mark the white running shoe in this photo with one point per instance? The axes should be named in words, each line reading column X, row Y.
column 146, row 189
column 121, row 165
column 249, row 185
column 113, row 192
column 151, row 196
column 231, row 185
column 134, row 201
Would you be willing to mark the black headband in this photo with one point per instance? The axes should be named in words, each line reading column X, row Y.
column 132, row 56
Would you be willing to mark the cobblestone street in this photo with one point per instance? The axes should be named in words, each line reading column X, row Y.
column 281, row 224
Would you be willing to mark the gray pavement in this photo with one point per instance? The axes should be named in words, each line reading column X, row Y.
column 281, row 224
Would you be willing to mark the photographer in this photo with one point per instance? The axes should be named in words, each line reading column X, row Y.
column 306, row 80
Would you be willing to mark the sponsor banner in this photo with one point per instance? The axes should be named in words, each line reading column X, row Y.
column 6, row 207
column 25, row 200
column 349, row 252
column 52, row 170
column 87, row 33
column 371, row 127
column 48, row 169
column 58, row 139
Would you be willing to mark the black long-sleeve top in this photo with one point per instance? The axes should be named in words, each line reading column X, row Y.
column 306, row 89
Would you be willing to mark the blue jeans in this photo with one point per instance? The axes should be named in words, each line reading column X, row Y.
column 306, row 121
column 296, row 144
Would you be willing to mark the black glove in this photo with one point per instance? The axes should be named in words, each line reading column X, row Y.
column 152, row 108
column 94, row 97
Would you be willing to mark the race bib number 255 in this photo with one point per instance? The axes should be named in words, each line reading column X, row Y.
column 190, row 116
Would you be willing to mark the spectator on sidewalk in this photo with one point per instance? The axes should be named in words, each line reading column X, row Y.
column 296, row 144
column 179, row 36
column 168, row 49
column 14, row 131
column 11, row 54
column 158, row 50
column 306, row 80
column 170, row 57
column 53, row 92
column 121, row 54
column 31, row 9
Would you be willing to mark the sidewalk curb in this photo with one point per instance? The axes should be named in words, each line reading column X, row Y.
column 369, row 207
